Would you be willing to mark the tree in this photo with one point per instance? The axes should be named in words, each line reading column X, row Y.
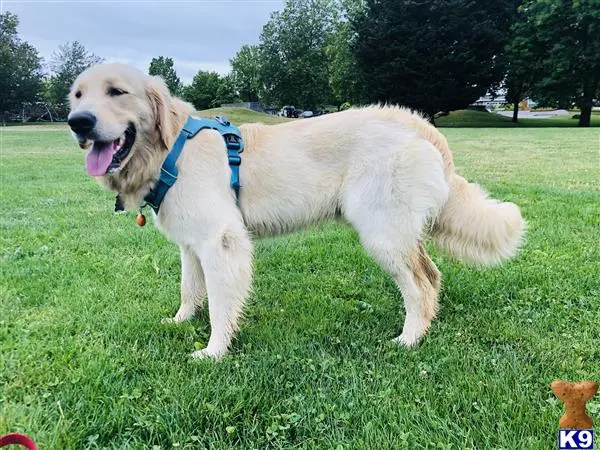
column 292, row 50
column 66, row 64
column 437, row 55
column 202, row 92
column 569, row 32
column 21, row 68
column 163, row 67
column 344, row 76
column 226, row 92
column 523, row 60
column 245, row 72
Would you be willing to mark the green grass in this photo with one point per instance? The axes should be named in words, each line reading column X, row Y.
column 85, row 362
column 242, row 115
column 456, row 119
column 479, row 119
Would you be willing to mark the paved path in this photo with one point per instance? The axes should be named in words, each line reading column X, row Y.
column 537, row 114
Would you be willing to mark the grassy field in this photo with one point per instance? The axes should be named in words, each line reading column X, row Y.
column 85, row 362
column 243, row 115
column 479, row 119
column 456, row 119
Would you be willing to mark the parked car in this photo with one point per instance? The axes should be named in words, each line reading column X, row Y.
column 307, row 114
column 288, row 111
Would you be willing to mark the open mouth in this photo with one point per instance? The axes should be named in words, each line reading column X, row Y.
column 106, row 157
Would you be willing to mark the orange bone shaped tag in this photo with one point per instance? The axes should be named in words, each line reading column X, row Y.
column 575, row 396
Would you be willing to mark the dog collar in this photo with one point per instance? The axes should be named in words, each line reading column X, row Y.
column 168, row 172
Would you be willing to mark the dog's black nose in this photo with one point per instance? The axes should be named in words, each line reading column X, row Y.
column 82, row 122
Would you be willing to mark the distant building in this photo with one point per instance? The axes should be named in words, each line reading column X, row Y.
column 490, row 101
column 527, row 103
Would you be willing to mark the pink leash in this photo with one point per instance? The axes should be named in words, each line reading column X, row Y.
column 17, row 439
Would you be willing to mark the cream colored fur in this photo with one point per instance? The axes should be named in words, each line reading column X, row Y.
column 384, row 170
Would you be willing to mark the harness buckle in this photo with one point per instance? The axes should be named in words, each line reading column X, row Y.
column 223, row 120
column 234, row 160
column 235, row 146
column 167, row 177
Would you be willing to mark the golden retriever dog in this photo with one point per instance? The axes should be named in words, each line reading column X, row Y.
column 384, row 170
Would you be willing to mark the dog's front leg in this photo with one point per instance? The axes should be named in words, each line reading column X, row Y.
column 193, row 287
column 227, row 263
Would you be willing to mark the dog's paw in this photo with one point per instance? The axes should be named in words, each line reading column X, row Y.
column 413, row 331
column 179, row 317
column 407, row 340
column 205, row 353
column 169, row 320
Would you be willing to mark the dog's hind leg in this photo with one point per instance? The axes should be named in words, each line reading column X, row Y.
column 227, row 263
column 427, row 279
column 389, row 206
column 193, row 286
column 404, row 258
column 425, row 270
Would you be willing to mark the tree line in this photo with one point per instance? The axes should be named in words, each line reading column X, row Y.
column 23, row 80
column 434, row 56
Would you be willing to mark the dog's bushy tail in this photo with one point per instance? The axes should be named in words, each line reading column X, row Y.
column 475, row 228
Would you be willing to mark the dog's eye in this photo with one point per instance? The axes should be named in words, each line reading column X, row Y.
column 113, row 91
column 78, row 94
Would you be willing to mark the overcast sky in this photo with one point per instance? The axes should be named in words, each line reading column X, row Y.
column 198, row 35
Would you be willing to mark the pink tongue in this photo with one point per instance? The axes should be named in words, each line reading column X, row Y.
column 99, row 158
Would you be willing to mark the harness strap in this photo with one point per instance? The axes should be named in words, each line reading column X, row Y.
column 168, row 172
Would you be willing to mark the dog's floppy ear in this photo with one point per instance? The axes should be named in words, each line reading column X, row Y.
column 162, row 105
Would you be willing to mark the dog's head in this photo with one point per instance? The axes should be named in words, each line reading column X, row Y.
column 116, row 112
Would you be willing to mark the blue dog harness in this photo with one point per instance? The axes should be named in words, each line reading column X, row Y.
column 168, row 172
